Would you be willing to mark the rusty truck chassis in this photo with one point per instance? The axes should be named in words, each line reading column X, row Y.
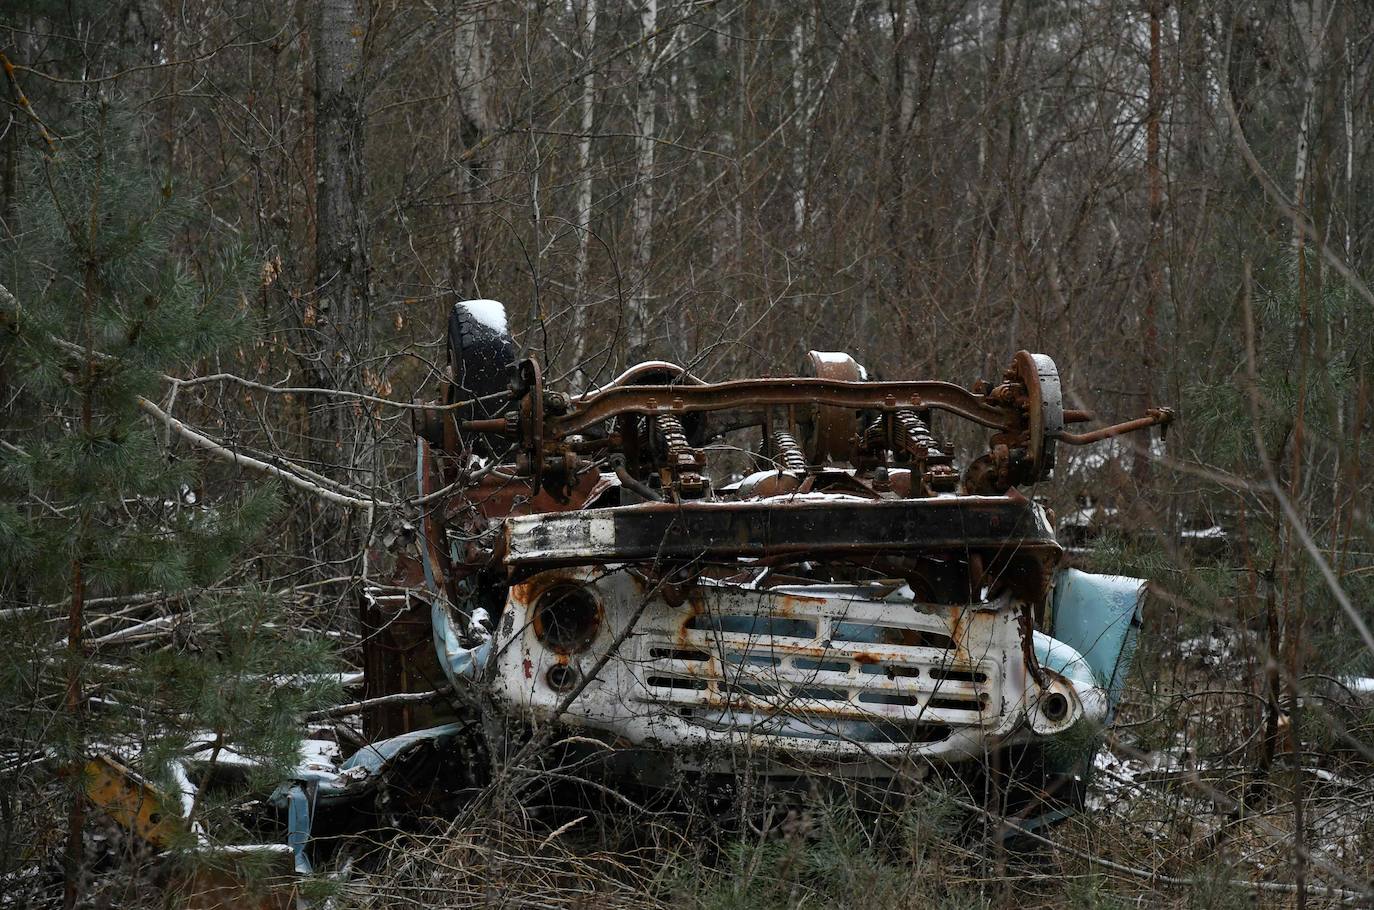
column 857, row 600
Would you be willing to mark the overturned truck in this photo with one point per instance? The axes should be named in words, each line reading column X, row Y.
column 796, row 569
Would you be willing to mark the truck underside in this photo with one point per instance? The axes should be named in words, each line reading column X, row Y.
column 794, row 570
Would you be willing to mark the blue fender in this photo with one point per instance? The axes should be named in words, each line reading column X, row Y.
column 1099, row 617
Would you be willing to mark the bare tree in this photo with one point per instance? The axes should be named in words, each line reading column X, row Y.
column 471, row 75
column 642, row 206
column 583, row 206
column 337, row 318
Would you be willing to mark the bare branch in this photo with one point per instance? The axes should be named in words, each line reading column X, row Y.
column 236, row 458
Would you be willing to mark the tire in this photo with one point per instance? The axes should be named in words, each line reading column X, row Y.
column 481, row 356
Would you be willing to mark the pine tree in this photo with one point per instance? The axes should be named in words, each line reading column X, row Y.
column 108, row 534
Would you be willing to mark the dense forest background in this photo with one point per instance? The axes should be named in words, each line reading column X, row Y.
column 232, row 231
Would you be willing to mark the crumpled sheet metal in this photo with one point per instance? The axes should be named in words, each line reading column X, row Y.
column 461, row 663
column 1099, row 616
column 312, row 785
column 362, row 767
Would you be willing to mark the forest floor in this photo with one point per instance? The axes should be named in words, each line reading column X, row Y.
column 1185, row 808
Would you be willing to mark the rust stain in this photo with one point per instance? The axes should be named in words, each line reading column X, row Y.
column 956, row 632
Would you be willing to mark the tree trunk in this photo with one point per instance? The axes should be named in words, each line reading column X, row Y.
column 1154, row 266
column 338, row 324
column 987, row 196
column 587, row 111
column 472, row 102
column 642, row 208
column 901, row 108
column 797, row 53
column 1311, row 21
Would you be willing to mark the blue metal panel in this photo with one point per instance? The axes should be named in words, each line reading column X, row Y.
column 298, row 812
column 459, row 662
column 1099, row 617
column 1053, row 654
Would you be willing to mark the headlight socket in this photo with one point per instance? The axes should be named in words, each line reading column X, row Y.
column 567, row 618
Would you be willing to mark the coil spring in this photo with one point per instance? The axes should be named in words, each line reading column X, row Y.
column 789, row 452
column 674, row 437
column 912, row 427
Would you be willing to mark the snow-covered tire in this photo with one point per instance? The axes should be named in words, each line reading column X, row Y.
column 481, row 356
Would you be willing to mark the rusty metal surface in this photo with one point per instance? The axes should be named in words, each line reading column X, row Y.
column 725, row 608
column 854, row 672
column 1154, row 417
column 131, row 801
column 830, row 433
column 647, row 400
column 789, row 453
column 812, row 526
column 555, row 436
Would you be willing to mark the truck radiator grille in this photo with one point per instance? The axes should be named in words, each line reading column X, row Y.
column 850, row 671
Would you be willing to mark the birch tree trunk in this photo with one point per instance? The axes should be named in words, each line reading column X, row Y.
column 800, row 90
column 1311, row 21
column 642, row 208
column 986, row 193
column 1310, row 18
column 472, row 103
column 584, row 185
column 901, row 106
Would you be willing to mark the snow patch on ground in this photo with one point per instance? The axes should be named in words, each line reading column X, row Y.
column 491, row 313
column 1116, row 780
column 1209, row 650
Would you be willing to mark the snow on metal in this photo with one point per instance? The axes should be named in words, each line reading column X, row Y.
column 490, row 313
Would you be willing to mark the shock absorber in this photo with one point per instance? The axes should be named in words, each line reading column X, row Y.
column 674, row 439
column 906, row 432
column 875, row 435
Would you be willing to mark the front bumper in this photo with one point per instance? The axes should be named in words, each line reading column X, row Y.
column 853, row 674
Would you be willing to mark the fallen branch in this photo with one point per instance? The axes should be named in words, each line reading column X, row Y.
column 157, row 623
column 1161, row 878
column 337, row 393
column 381, row 701
column 214, row 448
